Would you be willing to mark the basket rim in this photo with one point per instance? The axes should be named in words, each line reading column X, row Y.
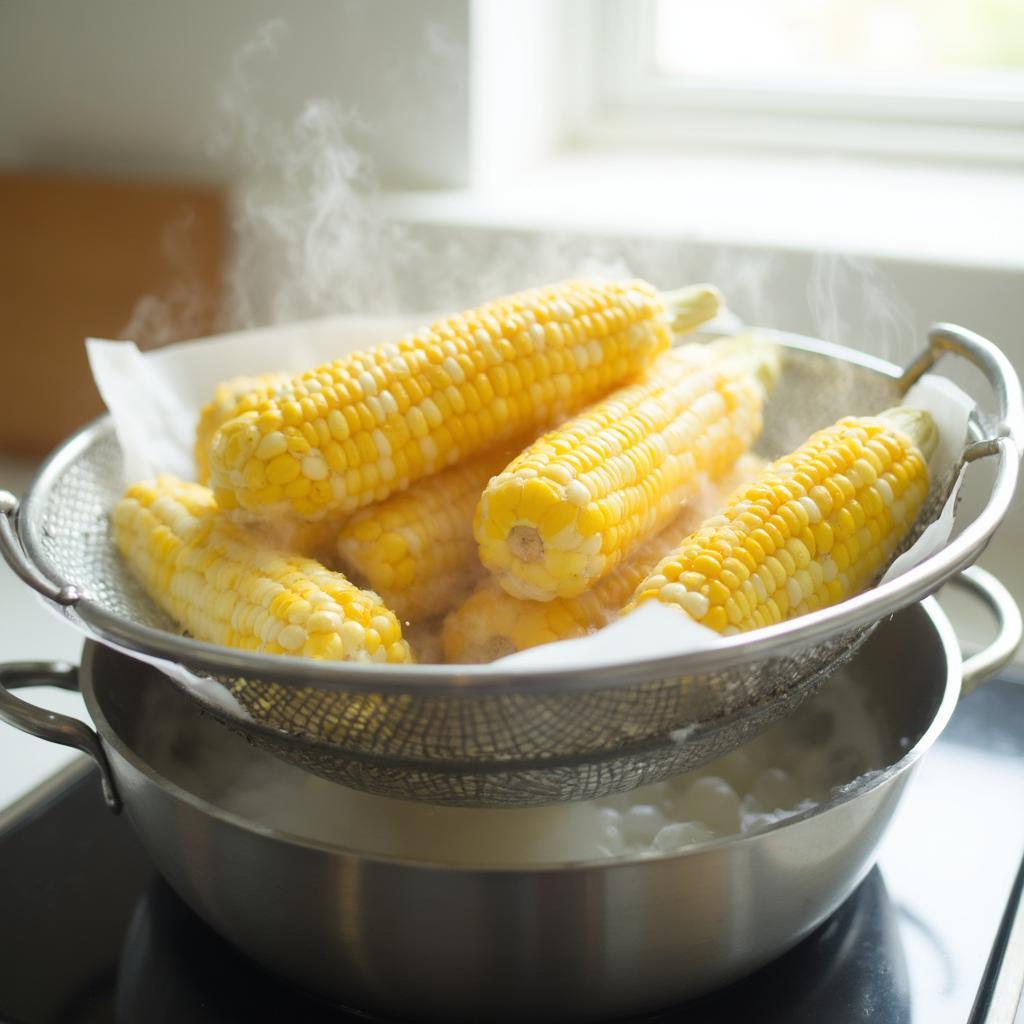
column 785, row 639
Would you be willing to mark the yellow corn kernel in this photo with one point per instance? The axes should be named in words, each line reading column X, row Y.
column 574, row 504
column 451, row 391
column 230, row 399
column 819, row 563
column 490, row 623
column 416, row 548
column 234, row 586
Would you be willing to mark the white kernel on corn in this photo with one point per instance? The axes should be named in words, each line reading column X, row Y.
column 452, row 368
column 367, row 383
column 829, row 570
column 314, row 468
column 431, row 412
column 655, row 582
column 323, row 622
column 794, row 591
column 695, row 605
column 388, row 401
column 353, row 637
column 577, row 494
column 387, row 469
column 292, row 638
column 382, row 443
column 272, row 445
column 376, row 407
column 884, row 491
column 865, row 471
column 595, row 351
column 560, row 474
column 811, row 508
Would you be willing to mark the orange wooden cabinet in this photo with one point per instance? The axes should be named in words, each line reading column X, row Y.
column 95, row 258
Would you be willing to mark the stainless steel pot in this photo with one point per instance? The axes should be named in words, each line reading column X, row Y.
column 566, row 942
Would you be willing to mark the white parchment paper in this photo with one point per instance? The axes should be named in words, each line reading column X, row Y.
column 154, row 399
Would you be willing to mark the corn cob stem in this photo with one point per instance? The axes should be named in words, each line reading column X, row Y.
column 354, row 431
column 816, row 527
column 687, row 308
column 568, row 509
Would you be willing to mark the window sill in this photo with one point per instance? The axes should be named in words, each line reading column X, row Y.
column 952, row 215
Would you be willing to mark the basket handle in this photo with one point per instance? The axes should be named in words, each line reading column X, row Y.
column 998, row 371
column 49, row 725
column 14, row 555
column 1009, row 628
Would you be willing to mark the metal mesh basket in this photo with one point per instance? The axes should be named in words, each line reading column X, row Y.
column 480, row 736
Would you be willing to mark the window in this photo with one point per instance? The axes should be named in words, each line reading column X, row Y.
column 901, row 76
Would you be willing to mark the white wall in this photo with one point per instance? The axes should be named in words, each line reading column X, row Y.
column 132, row 88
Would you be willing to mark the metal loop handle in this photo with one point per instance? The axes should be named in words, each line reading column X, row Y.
column 1009, row 628
column 14, row 556
column 49, row 725
column 992, row 362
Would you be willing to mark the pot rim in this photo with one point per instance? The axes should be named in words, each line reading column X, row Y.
column 934, row 615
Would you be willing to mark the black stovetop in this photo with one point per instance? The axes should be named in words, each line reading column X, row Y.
column 90, row 934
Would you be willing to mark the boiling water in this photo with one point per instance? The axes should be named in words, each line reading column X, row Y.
column 828, row 743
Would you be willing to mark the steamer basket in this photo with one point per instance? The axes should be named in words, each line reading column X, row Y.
column 480, row 736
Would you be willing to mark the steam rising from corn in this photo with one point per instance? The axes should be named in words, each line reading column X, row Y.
column 569, row 508
column 815, row 528
column 356, row 430
column 228, row 585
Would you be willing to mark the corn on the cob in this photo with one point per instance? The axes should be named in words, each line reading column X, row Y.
column 573, row 504
column 490, row 624
column 230, row 398
column 227, row 585
column 359, row 429
column 815, row 528
column 416, row 549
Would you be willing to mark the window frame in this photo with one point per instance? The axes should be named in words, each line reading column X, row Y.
column 627, row 99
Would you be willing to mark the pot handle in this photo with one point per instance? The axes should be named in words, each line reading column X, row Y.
column 1009, row 627
column 49, row 725
column 996, row 367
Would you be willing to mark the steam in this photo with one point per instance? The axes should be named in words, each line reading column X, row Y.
column 186, row 307
column 310, row 238
column 854, row 304
column 308, row 242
